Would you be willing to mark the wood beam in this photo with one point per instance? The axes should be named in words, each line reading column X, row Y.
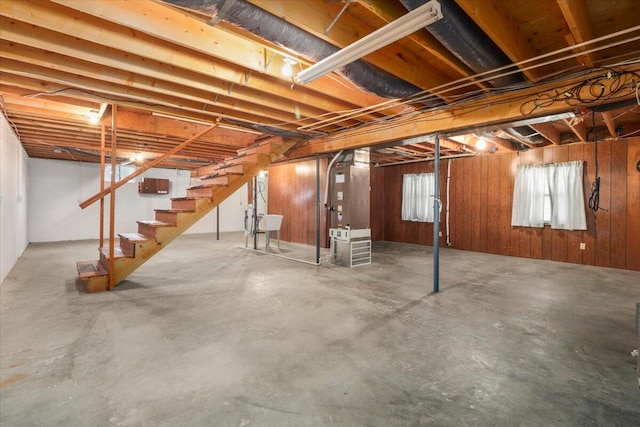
column 548, row 131
column 503, row 108
column 577, row 16
column 498, row 23
column 84, row 88
column 610, row 121
column 150, row 18
column 149, row 93
column 242, row 99
column 182, row 66
column 312, row 17
column 578, row 127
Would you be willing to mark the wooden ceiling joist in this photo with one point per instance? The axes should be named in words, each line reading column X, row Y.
column 576, row 14
column 496, row 21
column 447, row 120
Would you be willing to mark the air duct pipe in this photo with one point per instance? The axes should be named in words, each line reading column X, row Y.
column 459, row 34
column 278, row 31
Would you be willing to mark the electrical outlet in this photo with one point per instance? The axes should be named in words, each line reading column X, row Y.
column 440, row 233
column 583, row 246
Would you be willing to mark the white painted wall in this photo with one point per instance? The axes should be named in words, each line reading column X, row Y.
column 13, row 198
column 57, row 187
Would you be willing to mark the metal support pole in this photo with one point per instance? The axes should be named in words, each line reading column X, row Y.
column 317, row 209
column 102, row 156
column 112, row 196
column 218, row 222
column 436, row 219
column 255, row 212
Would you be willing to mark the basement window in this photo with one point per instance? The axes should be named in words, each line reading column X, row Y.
column 122, row 171
column 418, row 192
column 549, row 194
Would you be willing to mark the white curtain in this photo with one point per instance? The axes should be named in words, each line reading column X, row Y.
column 418, row 192
column 567, row 196
column 528, row 196
column 563, row 183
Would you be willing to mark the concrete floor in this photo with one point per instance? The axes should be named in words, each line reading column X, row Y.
column 207, row 333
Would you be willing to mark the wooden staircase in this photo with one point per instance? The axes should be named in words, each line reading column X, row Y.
column 218, row 182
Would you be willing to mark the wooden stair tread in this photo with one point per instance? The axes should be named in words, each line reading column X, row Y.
column 117, row 252
column 183, row 198
column 88, row 269
column 134, row 237
column 154, row 223
column 173, row 210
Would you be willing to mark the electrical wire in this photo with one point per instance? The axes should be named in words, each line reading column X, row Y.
column 261, row 188
column 594, row 199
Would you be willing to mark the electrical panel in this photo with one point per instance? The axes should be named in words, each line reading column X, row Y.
column 153, row 186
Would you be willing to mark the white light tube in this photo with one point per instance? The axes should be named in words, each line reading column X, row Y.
column 420, row 17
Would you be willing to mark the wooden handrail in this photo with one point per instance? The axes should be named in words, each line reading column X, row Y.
column 142, row 170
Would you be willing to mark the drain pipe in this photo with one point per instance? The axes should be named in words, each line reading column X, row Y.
column 326, row 183
column 436, row 220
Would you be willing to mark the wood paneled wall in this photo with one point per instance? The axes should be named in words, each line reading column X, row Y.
column 292, row 193
column 481, row 194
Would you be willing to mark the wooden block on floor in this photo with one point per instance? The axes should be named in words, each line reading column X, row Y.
column 87, row 269
column 93, row 276
column 96, row 284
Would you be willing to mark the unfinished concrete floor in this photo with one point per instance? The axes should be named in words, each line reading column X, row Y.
column 209, row 334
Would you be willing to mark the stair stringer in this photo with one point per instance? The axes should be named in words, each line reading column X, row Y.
column 165, row 235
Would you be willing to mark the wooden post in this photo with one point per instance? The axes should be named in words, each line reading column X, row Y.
column 102, row 144
column 148, row 166
column 112, row 199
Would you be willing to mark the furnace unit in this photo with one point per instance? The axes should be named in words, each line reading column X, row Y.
column 349, row 209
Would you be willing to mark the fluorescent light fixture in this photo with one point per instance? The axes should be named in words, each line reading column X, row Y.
column 420, row 17
column 544, row 119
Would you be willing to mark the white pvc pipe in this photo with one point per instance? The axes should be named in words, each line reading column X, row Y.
column 326, row 183
column 427, row 159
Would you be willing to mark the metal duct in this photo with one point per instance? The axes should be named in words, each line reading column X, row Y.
column 527, row 134
column 280, row 32
column 458, row 33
